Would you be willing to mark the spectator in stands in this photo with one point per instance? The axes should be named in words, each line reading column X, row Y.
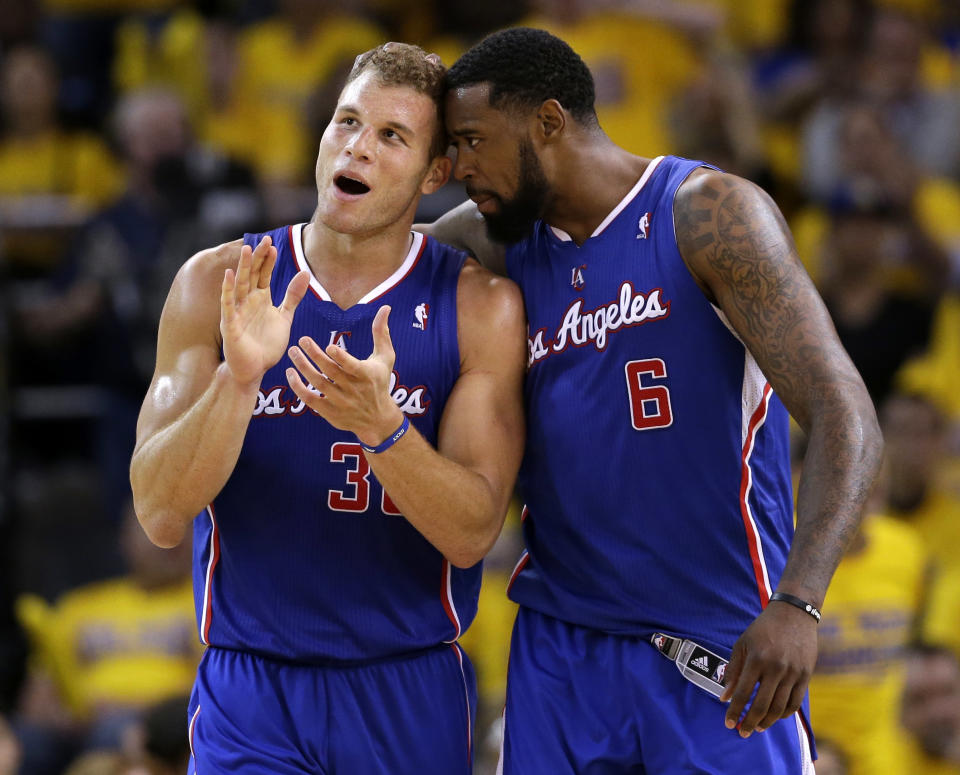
column 870, row 617
column 49, row 176
column 931, row 711
column 924, row 121
column 107, row 651
column 863, row 245
column 106, row 302
column 914, row 430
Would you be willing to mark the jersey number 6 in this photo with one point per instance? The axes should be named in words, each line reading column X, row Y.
column 649, row 404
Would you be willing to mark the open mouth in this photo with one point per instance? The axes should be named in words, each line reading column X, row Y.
column 350, row 185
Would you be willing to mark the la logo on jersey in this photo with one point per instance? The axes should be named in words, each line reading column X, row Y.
column 339, row 338
column 576, row 276
column 643, row 226
column 421, row 314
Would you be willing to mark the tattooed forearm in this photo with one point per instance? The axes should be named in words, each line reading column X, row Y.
column 739, row 249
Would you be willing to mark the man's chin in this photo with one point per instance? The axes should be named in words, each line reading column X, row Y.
column 507, row 230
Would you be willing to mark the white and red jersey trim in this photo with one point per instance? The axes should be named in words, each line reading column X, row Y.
column 754, row 403
column 417, row 244
column 466, row 696
column 631, row 195
column 446, row 597
column 757, row 418
column 190, row 728
column 521, row 564
column 208, row 582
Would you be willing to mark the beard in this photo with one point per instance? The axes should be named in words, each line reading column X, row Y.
column 516, row 217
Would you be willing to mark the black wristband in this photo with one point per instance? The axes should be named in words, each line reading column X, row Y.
column 803, row 605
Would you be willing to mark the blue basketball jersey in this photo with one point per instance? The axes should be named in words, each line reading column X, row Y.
column 656, row 476
column 303, row 556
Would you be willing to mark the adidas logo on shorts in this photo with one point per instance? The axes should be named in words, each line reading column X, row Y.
column 702, row 664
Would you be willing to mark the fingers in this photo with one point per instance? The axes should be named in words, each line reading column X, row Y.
column 319, row 369
column 306, row 393
column 739, row 688
column 382, row 344
column 227, row 296
column 266, row 269
column 242, row 284
column 296, row 290
column 779, row 706
column 761, row 704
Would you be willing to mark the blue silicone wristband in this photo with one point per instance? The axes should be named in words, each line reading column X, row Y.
column 392, row 439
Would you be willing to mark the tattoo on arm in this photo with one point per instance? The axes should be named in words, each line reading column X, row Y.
column 738, row 248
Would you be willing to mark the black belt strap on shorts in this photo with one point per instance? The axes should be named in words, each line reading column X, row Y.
column 696, row 663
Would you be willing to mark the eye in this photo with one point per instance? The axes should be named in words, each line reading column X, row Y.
column 348, row 121
column 473, row 142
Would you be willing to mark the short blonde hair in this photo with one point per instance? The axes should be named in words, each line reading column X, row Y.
column 403, row 64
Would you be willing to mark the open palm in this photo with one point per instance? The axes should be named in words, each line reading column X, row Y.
column 256, row 333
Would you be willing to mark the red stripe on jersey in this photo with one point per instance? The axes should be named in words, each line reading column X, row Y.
column 524, row 513
column 746, row 480
column 521, row 564
column 208, row 585
column 446, row 597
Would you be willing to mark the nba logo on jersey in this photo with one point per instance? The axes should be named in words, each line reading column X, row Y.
column 719, row 673
column 644, row 226
column 421, row 313
column 576, row 276
column 339, row 338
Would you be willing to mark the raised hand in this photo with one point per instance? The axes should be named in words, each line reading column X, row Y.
column 778, row 651
column 350, row 394
column 255, row 333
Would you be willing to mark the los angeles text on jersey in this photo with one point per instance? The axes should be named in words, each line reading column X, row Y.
column 579, row 327
column 281, row 400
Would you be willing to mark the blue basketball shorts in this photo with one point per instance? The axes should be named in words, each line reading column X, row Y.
column 590, row 703
column 249, row 715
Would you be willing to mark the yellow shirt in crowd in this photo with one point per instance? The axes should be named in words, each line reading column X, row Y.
column 114, row 644
column 868, row 619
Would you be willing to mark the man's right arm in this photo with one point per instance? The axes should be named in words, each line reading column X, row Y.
column 463, row 227
column 197, row 409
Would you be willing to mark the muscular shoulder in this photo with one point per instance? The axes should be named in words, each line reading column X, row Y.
column 720, row 217
column 206, row 267
column 194, row 298
column 485, row 298
column 490, row 317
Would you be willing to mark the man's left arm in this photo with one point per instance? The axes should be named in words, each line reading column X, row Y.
column 738, row 248
column 456, row 494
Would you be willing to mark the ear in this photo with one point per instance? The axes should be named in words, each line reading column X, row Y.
column 551, row 121
column 437, row 175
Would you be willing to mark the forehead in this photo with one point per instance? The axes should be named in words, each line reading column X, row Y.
column 468, row 107
column 388, row 103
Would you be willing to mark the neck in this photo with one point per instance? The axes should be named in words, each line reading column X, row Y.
column 595, row 176
column 348, row 266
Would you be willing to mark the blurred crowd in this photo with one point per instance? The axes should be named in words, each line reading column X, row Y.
column 135, row 132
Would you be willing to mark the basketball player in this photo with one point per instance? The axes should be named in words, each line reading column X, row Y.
column 337, row 410
column 671, row 329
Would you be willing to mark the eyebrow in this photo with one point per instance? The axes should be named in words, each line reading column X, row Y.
column 392, row 124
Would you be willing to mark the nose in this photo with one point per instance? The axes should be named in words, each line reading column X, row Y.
column 359, row 146
column 462, row 169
